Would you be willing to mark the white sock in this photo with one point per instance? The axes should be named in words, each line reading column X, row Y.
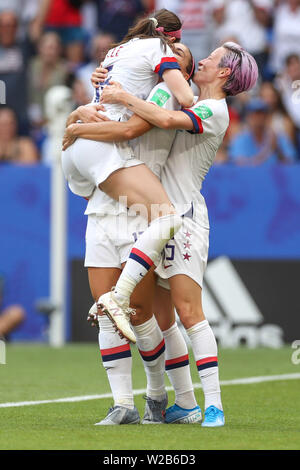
column 177, row 367
column 151, row 345
column 145, row 253
column 117, row 360
column 205, row 351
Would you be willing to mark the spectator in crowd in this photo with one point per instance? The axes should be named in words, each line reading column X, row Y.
column 99, row 47
column 258, row 144
column 286, row 33
column 280, row 121
column 13, row 147
column 63, row 17
column 80, row 94
column 117, row 16
column 234, row 128
column 26, row 10
column 288, row 84
column 247, row 21
column 45, row 70
column 13, row 61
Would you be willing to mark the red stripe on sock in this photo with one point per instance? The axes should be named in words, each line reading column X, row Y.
column 206, row 360
column 176, row 360
column 117, row 349
column 154, row 351
column 142, row 255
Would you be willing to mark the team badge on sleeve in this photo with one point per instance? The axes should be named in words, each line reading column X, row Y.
column 203, row 111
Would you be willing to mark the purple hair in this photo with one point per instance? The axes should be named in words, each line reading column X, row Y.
column 244, row 70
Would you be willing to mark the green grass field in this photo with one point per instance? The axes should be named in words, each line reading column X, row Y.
column 259, row 416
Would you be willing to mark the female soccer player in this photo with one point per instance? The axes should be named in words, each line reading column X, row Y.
column 229, row 70
column 87, row 164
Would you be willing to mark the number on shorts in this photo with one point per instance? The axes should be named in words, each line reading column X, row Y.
column 172, row 253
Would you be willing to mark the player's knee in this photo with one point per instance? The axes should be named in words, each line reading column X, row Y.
column 140, row 316
column 189, row 313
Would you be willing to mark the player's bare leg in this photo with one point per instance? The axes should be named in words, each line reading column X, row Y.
column 145, row 193
column 10, row 318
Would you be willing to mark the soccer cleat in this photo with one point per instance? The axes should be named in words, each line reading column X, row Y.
column 178, row 415
column 119, row 315
column 92, row 317
column 120, row 415
column 213, row 417
column 155, row 411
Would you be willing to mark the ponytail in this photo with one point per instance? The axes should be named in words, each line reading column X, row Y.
column 160, row 25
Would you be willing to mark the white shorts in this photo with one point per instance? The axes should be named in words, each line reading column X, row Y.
column 109, row 239
column 87, row 163
column 186, row 254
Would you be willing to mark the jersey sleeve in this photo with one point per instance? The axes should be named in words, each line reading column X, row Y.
column 162, row 96
column 160, row 59
column 207, row 118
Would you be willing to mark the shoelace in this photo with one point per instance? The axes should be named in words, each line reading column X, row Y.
column 151, row 401
column 211, row 413
column 148, row 399
column 128, row 311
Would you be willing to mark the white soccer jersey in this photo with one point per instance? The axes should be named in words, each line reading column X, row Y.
column 193, row 153
column 136, row 65
column 191, row 157
column 153, row 148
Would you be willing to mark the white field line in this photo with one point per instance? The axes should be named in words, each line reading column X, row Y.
column 243, row 381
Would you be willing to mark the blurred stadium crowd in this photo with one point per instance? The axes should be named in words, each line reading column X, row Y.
column 44, row 43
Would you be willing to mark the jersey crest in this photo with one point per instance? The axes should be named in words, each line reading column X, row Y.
column 203, row 111
column 160, row 97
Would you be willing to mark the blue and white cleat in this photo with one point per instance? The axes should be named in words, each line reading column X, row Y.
column 178, row 415
column 213, row 417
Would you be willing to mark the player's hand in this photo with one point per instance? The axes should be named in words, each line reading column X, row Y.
column 92, row 317
column 99, row 76
column 112, row 93
column 89, row 113
column 68, row 138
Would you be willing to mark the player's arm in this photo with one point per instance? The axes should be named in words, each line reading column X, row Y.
column 107, row 131
column 157, row 116
column 178, row 85
column 112, row 131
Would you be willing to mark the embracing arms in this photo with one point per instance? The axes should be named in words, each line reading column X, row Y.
column 105, row 130
column 157, row 116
